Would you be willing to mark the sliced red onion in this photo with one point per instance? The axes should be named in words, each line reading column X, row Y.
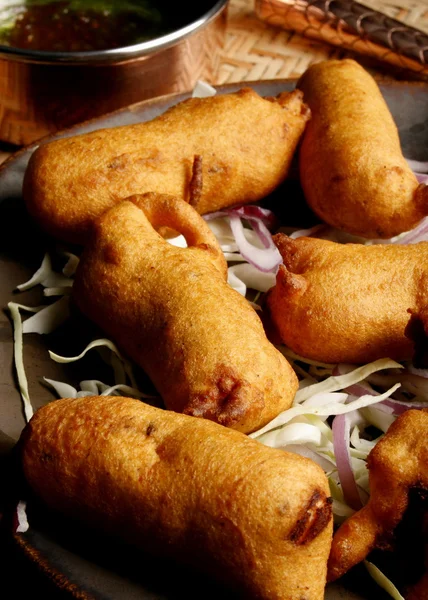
column 263, row 232
column 341, row 428
column 390, row 405
column 417, row 165
column 384, row 407
column 398, row 407
column 256, row 214
column 359, row 390
column 250, row 212
column 215, row 215
column 265, row 259
column 422, row 177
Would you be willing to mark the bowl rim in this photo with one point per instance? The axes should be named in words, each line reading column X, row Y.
column 114, row 55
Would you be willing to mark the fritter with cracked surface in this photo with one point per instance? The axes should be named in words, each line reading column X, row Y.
column 239, row 146
column 171, row 310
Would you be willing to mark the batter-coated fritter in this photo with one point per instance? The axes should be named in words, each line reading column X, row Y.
column 238, row 146
column 398, row 463
column 171, row 310
column 348, row 302
column 351, row 166
column 254, row 517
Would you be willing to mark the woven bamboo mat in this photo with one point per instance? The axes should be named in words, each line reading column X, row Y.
column 255, row 50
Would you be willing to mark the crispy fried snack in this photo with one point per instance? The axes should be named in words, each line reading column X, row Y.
column 213, row 152
column 398, row 463
column 171, row 310
column 417, row 332
column 352, row 169
column 254, row 517
column 348, row 302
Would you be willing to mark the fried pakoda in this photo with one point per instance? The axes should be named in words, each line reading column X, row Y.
column 256, row 518
column 241, row 143
column 398, row 463
column 351, row 166
column 171, row 310
column 348, row 302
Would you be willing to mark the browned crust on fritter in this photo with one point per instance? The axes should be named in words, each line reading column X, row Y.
column 184, row 488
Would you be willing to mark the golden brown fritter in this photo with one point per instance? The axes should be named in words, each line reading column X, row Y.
column 348, row 302
column 256, row 518
column 398, row 463
column 171, row 310
column 243, row 145
column 351, row 166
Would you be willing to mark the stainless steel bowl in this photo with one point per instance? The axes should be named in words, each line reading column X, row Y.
column 42, row 92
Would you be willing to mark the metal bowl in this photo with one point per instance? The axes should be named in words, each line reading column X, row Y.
column 42, row 92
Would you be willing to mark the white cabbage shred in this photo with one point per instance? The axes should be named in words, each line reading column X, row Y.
column 383, row 581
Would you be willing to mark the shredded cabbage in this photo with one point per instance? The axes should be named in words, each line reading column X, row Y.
column 122, row 371
column 243, row 276
column 383, row 581
column 57, row 291
column 21, row 514
column 47, row 277
column 340, row 382
column 49, row 318
column 39, row 276
column 70, row 266
column 100, row 342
